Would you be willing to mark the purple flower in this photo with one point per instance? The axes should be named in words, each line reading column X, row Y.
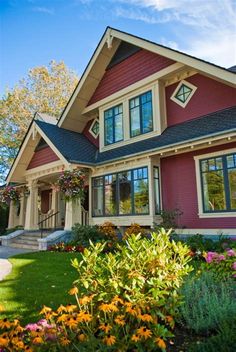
column 221, row 257
column 234, row 266
column 33, row 327
column 211, row 256
column 231, row 253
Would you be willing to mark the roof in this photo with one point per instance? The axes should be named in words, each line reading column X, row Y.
column 211, row 69
column 76, row 148
column 232, row 69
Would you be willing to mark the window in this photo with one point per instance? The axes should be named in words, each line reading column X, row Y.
column 94, row 128
column 140, row 109
column 113, row 124
column 156, row 190
column 218, row 180
column 122, row 193
column 183, row 93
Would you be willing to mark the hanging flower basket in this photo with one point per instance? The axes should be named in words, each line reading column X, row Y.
column 8, row 194
column 71, row 184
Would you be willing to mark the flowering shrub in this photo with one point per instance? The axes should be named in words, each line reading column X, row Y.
column 134, row 229
column 8, row 194
column 71, row 184
column 65, row 247
column 222, row 264
column 108, row 229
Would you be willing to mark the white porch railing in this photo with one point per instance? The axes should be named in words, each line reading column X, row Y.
column 47, row 223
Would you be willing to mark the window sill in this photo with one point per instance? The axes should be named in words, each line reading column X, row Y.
column 217, row 215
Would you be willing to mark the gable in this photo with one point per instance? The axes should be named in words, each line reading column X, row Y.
column 43, row 154
column 137, row 66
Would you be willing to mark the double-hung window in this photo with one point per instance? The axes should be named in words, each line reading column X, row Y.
column 218, row 181
column 113, row 124
column 141, row 114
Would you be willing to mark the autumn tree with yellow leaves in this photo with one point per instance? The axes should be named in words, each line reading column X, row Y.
column 46, row 89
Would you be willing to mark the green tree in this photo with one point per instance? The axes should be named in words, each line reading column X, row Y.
column 45, row 89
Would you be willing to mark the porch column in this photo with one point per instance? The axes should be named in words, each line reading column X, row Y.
column 54, row 205
column 31, row 216
column 73, row 213
column 22, row 211
column 11, row 219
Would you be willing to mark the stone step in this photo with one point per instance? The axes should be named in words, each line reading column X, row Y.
column 33, row 238
column 26, row 246
column 24, row 240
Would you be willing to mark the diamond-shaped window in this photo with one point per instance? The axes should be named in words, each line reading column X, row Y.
column 183, row 93
column 95, row 128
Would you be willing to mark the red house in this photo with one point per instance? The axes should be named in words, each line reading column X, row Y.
column 156, row 130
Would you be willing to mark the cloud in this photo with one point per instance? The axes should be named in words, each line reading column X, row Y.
column 46, row 10
column 205, row 28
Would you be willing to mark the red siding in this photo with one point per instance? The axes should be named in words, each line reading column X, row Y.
column 210, row 96
column 179, row 190
column 88, row 135
column 133, row 69
column 41, row 157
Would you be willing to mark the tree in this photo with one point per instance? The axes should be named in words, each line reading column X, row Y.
column 46, row 90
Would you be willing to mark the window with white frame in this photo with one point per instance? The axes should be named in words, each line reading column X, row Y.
column 113, row 125
column 94, row 128
column 218, row 183
column 183, row 93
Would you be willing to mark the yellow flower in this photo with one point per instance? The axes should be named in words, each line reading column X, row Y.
column 62, row 318
column 117, row 299
column 71, row 322
column 28, row 349
column 108, row 307
column 160, row 343
column 131, row 310
column 73, row 291
column 85, row 300
column 145, row 317
column 5, row 324
column 4, row 340
column 20, row 345
column 37, row 340
column 71, row 308
column 64, row 341
column 135, row 338
column 105, row 327
column 61, row 309
column 109, row 340
column 1, row 308
column 84, row 316
column 120, row 320
column 144, row 332
column 45, row 310
column 81, row 337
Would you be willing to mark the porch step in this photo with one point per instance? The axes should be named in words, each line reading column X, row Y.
column 28, row 240
column 25, row 246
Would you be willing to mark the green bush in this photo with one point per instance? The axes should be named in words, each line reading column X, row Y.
column 82, row 234
column 208, row 304
column 4, row 210
column 142, row 271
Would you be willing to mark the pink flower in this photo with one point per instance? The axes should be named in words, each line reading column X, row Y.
column 221, row 257
column 231, row 253
column 211, row 256
column 234, row 266
column 33, row 327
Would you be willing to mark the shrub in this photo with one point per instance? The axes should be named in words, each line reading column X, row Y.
column 223, row 265
column 108, row 230
column 134, row 229
column 208, row 303
column 65, row 247
column 82, row 234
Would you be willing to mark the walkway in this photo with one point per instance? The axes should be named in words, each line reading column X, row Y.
column 5, row 265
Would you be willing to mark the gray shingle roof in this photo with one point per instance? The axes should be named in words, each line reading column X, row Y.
column 76, row 148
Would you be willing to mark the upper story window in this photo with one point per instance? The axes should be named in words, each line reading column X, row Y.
column 183, row 93
column 141, row 115
column 94, row 128
column 218, row 179
column 113, row 125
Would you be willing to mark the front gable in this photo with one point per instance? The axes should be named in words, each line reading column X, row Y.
column 43, row 154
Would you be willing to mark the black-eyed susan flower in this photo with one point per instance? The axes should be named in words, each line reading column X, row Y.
column 73, row 291
column 84, row 317
column 117, row 299
column 160, row 343
column 145, row 317
column 109, row 340
column 108, row 307
column 5, row 324
column 71, row 308
column 45, row 310
column 4, row 340
column 71, row 322
column 144, row 332
column 135, row 338
column 64, row 341
column 28, row 349
column 62, row 318
column 105, row 327
column 37, row 340
column 120, row 320
column 61, row 309
column 131, row 310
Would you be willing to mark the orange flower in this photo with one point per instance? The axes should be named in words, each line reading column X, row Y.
column 4, row 340
column 5, row 324
column 61, row 309
column 64, row 341
column 108, row 307
column 135, row 338
column 62, row 318
column 160, row 343
column 117, row 299
column 85, row 300
column 120, row 320
column 37, row 340
column 84, row 316
column 81, row 337
column 109, row 340
column 45, row 310
column 145, row 317
column 144, row 332
column 131, row 310
column 28, row 349
column 20, row 345
column 105, row 327
column 73, row 291
column 71, row 308
column 71, row 322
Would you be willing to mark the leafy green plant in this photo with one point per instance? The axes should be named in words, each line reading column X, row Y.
column 82, row 234
column 208, row 304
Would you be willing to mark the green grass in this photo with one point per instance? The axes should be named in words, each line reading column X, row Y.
column 37, row 279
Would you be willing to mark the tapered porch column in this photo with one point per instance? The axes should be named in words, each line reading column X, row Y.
column 22, row 210
column 55, row 205
column 31, row 216
column 73, row 213
column 12, row 211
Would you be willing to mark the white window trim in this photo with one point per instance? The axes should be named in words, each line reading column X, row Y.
column 197, row 159
column 154, row 88
column 91, row 127
column 177, row 101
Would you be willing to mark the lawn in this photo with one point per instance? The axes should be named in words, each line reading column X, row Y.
column 37, row 279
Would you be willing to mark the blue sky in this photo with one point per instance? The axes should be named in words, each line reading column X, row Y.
column 33, row 32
